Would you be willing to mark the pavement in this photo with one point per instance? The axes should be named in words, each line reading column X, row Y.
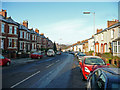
column 25, row 60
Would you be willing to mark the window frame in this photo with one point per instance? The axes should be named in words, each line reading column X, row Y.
column 10, row 42
column 10, row 29
column 3, row 28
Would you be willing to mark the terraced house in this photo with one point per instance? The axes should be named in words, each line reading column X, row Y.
column 9, row 35
column 24, row 39
column 16, row 40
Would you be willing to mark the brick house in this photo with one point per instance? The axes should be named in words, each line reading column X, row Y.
column 33, row 36
column 24, row 39
column 39, row 40
column 9, row 35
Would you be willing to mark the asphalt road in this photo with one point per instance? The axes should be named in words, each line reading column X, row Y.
column 61, row 71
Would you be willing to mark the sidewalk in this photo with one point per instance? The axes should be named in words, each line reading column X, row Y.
column 24, row 60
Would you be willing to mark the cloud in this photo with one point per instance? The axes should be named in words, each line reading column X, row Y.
column 70, row 31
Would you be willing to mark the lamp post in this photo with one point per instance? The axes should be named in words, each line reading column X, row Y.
column 93, row 26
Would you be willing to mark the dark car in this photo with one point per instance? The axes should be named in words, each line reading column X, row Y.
column 4, row 61
column 79, row 56
column 105, row 79
column 36, row 55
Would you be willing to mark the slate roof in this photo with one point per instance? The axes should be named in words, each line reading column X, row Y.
column 23, row 27
column 8, row 20
column 115, row 25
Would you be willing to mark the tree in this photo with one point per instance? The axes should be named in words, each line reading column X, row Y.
column 54, row 47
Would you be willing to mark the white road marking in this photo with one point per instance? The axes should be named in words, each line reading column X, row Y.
column 24, row 79
column 57, row 60
column 49, row 65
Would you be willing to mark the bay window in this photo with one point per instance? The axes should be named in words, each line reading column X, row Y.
column 10, row 29
column 3, row 28
column 21, row 34
column 2, row 43
column 112, row 33
column 15, row 30
column 15, row 43
column 10, row 42
column 115, row 47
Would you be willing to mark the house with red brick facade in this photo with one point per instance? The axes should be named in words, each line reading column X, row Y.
column 33, row 39
column 9, row 35
column 24, row 41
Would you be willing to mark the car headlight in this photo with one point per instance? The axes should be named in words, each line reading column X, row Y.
column 87, row 70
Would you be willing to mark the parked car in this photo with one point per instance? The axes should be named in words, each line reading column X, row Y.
column 4, row 61
column 79, row 56
column 58, row 53
column 89, row 63
column 104, row 78
column 50, row 52
column 36, row 55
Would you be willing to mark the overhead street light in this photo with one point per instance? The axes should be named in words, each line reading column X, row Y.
column 93, row 26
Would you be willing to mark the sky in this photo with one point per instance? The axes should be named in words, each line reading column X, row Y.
column 63, row 22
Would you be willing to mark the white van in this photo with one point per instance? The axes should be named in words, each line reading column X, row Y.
column 50, row 52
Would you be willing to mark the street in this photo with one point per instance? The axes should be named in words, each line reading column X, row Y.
column 61, row 71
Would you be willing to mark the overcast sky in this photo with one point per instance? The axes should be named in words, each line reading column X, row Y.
column 63, row 22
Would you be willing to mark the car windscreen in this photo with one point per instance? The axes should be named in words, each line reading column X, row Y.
column 94, row 61
column 34, row 53
column 82, row 55
column 50, row 51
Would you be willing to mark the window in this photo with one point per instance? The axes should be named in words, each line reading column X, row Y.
column 15, row 30
column 21, row 34
column 102, row 36
column 119, row 31
column 105, row 47
column 24, row 34
column 10, row 42
column 21, row 45
column 101, row 82
column 15, row 43
column 96, row 38
column 32, row 37
column 112, row 33
column 32, row 46
column 119, row 46
column 3, row 28
column 10, row 29
column 2, row 43
column 29, row 36
column 115, row 46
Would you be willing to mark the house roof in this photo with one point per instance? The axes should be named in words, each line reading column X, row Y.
column 115, row 25
column 23, row 27
column 8, row 20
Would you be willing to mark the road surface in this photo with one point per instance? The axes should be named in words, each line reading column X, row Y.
column 61, row 71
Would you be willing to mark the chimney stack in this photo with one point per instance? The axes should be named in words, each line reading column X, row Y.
column 110, row 23
column 99, row 30
column 37, row 31
column 25, row 23
column 3, row 13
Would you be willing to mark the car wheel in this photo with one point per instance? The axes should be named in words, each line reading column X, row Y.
column 8, row 63
column 83, row 78
column 39, row 57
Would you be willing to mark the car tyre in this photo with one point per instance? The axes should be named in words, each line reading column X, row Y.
column 8, row 64
column 39, row 57
column 83, row 78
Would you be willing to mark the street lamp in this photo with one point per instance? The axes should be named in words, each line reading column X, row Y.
column 93, row 26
